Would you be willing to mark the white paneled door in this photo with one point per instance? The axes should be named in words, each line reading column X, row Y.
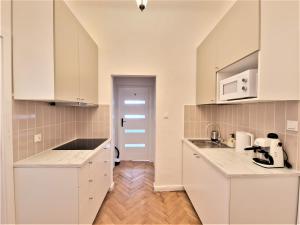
column 134, row 122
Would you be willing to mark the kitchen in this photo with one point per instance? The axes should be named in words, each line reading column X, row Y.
column 159, row 42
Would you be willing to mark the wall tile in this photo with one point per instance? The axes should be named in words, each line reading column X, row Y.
column 292, row 110
column 292, row 113
column 22, row 115
column 30, row 146
column 39, row 122
column 280, row 117
column 57, row 124
column 257, row 118
column 23, row 144
column 269, row 124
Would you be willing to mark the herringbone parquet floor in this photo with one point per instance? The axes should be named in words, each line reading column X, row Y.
column 133, row 200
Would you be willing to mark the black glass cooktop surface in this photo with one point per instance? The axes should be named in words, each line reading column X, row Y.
column 81, row 144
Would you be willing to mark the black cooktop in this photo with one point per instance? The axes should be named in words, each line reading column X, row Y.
column 81, row 144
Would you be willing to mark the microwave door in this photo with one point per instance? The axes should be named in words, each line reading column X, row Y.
column 229, row 90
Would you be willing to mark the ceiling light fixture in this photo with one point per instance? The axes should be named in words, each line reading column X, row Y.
column 142, row 4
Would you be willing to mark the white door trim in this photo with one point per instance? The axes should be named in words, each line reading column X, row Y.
column 7, row 178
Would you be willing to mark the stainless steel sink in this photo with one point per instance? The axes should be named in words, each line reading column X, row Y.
column 207, row 144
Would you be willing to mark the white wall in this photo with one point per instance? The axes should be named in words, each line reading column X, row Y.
column 160, row 41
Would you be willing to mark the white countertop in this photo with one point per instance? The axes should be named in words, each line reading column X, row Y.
column 60, row 158
column 233, row 164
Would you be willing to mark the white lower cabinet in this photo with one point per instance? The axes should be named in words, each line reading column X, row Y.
column 207, row 188
column 62, row 195
column 221, row 199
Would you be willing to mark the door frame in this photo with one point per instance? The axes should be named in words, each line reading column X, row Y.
column 135, row 81
column 6, row 170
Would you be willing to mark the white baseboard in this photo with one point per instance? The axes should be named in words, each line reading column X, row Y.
column 112, row 186
column 161, row 188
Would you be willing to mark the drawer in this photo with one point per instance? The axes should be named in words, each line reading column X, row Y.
column 87, row 209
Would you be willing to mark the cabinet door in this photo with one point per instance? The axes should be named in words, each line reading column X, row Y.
column 88, row 68
column 66, row 53
column 206, row 73
column 85, row 195
column 207, row 188
column 212, row 193
column 238, row 32
column 187, row 174
column 33, row 55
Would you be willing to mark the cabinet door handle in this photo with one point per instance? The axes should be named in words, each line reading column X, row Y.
column 90, row 180
column 195, row 154
column 105, row 161
column 90, row 162
column 91, row 198
column 105, row 175
column 198, row 157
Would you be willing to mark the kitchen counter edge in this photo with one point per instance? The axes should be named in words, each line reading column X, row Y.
column 28, row 162
column 288, row 172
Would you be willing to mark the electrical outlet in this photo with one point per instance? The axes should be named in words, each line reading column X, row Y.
column 37, row 138
column 292, row 125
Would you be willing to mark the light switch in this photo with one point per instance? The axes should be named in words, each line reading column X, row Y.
column 292, row 125
column 37, row 138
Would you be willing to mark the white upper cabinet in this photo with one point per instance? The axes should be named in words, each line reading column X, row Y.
column 88, row 68
column 266, row 31
column 54, row 57
column 66, row 53
column 206, row 71
column 279, row 54
column 238, row 33
column 33, row 50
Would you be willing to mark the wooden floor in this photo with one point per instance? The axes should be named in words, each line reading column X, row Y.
column 133, row 200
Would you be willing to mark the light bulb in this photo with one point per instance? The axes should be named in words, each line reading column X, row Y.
column 142, row 4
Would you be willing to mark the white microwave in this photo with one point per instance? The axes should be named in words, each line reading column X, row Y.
column 239, row 86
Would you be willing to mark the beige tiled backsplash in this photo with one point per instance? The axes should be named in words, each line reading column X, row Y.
column 257, row 118
column 57, row 124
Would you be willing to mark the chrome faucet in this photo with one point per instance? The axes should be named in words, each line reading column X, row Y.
column 215, row 133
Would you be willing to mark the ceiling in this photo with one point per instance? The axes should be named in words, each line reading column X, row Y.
column 104, row 18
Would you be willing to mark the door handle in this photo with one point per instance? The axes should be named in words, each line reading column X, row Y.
column 122, row 122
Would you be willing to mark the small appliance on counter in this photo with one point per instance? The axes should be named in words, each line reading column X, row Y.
column 231, row 141
column 243, row 140
column 269, row 152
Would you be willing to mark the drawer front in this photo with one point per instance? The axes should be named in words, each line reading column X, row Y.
column 94, row 184
column 84, row 195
